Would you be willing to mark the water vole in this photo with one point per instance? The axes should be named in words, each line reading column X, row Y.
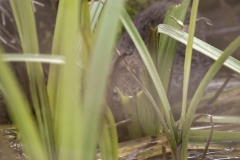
column 124, row 80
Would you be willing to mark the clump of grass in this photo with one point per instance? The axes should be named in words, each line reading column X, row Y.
column 71, row 115
column 68, row 120
column 162, row 109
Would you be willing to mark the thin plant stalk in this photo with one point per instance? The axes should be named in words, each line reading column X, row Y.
column 188, row 58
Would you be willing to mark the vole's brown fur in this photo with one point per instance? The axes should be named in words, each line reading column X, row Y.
column 124, row 80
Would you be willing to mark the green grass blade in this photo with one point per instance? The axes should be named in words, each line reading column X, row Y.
column 220, row 119
column 130, row 108
column 86, row 37
column 113, row 134
column 125, row 19
column 17, row 57
column 24, row 18
column 99, row 68
column 153, row 44
column 200, row 91
column 218, row 136
column 167, row 46
column 20, row 112
column 147, row 115
column 95, row 11
column 188, row 58
column 105, row 143
column 53, row 75
column 199, row 45
column 25, row 21
column 85, row 17
column 66, row 98
column 108, row 140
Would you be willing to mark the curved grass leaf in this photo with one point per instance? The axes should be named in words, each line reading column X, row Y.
column 199, row 45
